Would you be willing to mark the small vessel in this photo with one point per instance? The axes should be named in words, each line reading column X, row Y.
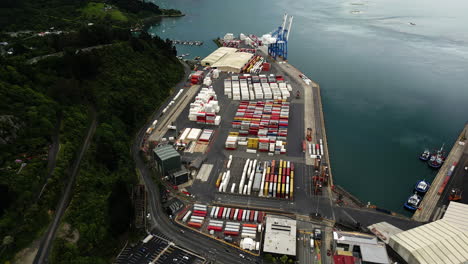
column 413, row 202
column 425, row 155
column 422, row 186
column 437, row 159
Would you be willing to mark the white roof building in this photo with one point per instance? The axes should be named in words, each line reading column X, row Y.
column 280, row 236
column 371, row 250
column 443, row 241
column 216, row 55
column 233, row 62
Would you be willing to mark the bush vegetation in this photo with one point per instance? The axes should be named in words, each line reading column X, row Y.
column 124, row 82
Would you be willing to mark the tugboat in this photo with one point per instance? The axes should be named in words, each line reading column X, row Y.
column 437, row 159
column 413, row 202
column 425, row 155
column 422, row 186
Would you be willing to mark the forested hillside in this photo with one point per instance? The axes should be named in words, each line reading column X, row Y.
column 53, row 100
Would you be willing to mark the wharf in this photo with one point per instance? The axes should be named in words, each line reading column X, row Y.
column 313, row 111
column 432, row 197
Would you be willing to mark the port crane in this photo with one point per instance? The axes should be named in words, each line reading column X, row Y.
column 278, row 40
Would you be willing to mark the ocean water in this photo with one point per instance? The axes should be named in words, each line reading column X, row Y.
column 389, row 88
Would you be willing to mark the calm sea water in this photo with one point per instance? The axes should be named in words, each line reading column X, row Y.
column 389, row 88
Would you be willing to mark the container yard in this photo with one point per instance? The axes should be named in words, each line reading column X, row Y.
column 240, row 227
column 243, row 134
column 271, row 179
column 250, row 132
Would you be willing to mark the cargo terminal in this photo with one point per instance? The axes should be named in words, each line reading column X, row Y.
column 239, row 131
column 245, row 143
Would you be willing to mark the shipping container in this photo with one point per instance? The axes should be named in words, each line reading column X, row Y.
column 147, row 239
column 241, row 213
column 232, row 212
column 195, row 225
column 260, row 217
column 215, row 228
column 217, row 212
column 220, row 213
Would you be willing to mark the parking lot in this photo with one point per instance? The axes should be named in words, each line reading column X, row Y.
column 157, row 250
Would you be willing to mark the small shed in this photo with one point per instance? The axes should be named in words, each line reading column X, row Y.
column 167, row 159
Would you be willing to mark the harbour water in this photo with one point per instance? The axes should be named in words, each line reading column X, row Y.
column 393, row 75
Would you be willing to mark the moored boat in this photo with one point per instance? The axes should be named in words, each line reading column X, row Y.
column 413, row 202
column 422, row 186
column 425, row 155
column 437, row 159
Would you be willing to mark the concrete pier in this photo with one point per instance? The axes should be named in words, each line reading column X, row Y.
column 313, row 110
column 432, row 197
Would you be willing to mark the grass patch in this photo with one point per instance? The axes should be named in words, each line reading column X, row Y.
column 95, row 10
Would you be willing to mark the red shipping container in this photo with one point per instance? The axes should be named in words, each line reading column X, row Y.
column 196, row 225
column 220, row 213
column 239, row 215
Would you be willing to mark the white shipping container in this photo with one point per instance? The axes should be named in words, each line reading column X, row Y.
column 186, row 216
column 244, row 235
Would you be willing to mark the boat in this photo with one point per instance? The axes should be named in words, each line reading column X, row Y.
column 413, row 202
column 422, row 186
column 437, row 159
column 425, row 155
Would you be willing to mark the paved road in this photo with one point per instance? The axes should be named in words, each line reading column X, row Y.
column 459, row 180
column 60, row 54
column 160, row 221
column 44, row 248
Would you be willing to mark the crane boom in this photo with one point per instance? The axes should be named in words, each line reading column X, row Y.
column 289, row 27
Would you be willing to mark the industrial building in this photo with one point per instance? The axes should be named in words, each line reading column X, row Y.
column 233, row 62
column 280, row 236
column 179, row 177
column 443, row 241
column 167, row 159
column 216, row 55
column 359, row 245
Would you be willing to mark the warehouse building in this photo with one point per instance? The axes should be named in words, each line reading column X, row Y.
column 443, row 241
column 233, row 62
column 359, row 246
column 167, row 159
column 216, row 55
column 280, row 236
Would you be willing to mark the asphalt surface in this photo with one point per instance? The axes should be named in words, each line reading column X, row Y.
column 157, row 248
column 205, row 246
column 305, row 202
column 46, row 243
column 458, row 180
